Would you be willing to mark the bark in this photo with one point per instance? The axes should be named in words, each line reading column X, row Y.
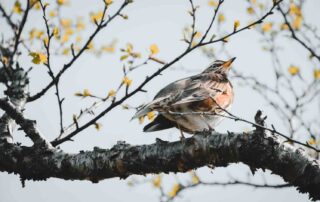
column 256, row 149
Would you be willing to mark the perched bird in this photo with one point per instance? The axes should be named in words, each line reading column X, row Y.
column 192, row 104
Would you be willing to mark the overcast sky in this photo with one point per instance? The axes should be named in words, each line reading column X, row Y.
column 159, row 22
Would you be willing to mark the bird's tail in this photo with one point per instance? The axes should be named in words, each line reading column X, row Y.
column 142, row 112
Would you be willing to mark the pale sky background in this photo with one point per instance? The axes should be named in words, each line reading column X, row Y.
column 159, row 22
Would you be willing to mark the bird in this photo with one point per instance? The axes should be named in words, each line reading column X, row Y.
column 193, row 104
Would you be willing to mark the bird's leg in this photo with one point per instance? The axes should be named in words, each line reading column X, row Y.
column 206, row 131
column 181, row 133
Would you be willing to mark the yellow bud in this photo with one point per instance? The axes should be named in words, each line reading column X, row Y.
column 157, row 181
column 86, row 93
column 236, row 25
column 154, row 49
column 266, row 27
column 98, row 126
column 316, row 74
column 293, row 70
column 174, row 190
column 127, row 81
column 112, row 93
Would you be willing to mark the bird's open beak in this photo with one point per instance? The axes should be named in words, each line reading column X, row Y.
column 228, row 63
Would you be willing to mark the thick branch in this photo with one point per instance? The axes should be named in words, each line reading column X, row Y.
column 255, row 149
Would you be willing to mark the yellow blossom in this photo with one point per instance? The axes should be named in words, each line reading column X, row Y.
column 250, row 10
column 127, row 81
column 66, row 51
column 294, row 10
column 86, row 93
column 293, row 70
column 221, row 18
column 174, row 190
column 156, row 181
column 17, row 7
column 316, row 73
column 297, row 22
column 236, row 25
column 154, row 49
column 129, row 48
column 151, row 115
column 65, row 38
column 312, row 141
column 55, row 32
column 80, row 25
column 109, row 48
column 112, row 93
column 284, row 26
column 96, row 17
column 90, row 46
column 108, row 2
column 213, row 3
column 194, row 177
column 38, row 58
column 52, row 13
column 69, row 31
column 266, row 27
column 65, row 22
column 61, row 2
column 197, row 35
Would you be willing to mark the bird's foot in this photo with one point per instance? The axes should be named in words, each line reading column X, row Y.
column 205, row 132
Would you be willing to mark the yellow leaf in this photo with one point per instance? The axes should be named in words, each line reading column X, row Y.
column 293, row 70
column 151, row 116
column 52, row 14
column 127, row 81
column 236, row 25
column 129, row 48
column 65, row 22
column 46, row 41
column 96, row 17
column 316, row 73
column 65, row 38
column 38, row 58
column 250, row 10
column 294, row 10
column 66, row 51
column 108, row 2
column 80, row 25
column 98, row 126
column 17, row 7
column 141, row 119
column 61, row 2
column 284, row 26
column 221, row 18
column 312, row 141
column 86, row 93
column 156, row 181
column 112, row 93
column 197, row 35
column 174, row 190
column 154, row 49
column 213, row 3
column 195, row 179
column 266, row 27
column 123, row 57
column 297, row 22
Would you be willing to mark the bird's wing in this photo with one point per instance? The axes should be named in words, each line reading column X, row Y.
column 164, row 96
column 201, row 91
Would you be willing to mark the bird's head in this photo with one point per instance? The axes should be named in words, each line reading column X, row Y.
column 220, row 66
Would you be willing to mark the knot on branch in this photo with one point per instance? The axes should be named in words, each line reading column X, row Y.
column 260, row 121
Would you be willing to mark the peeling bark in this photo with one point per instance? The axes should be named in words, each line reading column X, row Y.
column 256, row 149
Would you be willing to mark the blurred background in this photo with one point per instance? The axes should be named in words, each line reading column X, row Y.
column 161, row 23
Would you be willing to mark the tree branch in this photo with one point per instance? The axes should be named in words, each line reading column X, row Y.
column 256, row 149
